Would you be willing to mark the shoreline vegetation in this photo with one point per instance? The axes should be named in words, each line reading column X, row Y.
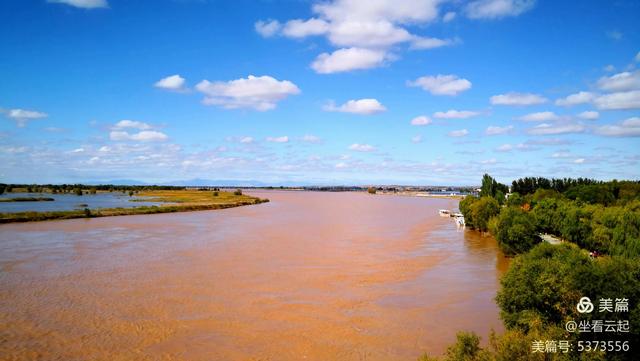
column 175, row 199
column 27, row 199
column 599, row 258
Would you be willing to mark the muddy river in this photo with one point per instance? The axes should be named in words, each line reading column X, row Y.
column 308, row 276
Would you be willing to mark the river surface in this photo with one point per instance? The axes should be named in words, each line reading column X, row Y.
column 69, row 202
column 308, row 276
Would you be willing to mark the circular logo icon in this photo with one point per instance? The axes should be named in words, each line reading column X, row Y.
column 585, row 305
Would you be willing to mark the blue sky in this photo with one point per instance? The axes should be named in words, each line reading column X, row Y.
column 332, row 92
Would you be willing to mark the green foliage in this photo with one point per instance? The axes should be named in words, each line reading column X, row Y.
column 216, row 193
column 515, row 200
column 543, row 286
column 515, row 230
column 77, row 191
column 130, row 193
column 87, row 212
column 238, row 192
column 372, row 190
column 592, row 193
column 481, row 212
column 490, row 187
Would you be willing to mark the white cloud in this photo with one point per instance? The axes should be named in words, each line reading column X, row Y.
column 489, row 161
column 173, row 82
column 514, row 98
column 455, row 114
column 589, row 115
column 348, row 59
column 254, row 92
column 449, row 16
column 505, row 148
column 246, row 140
column 620, row 82
column 349, row 24
column 360, row 106
column 131, row 124
column 309, row 138
column 421, row 120
column 561, row 155
column 579, row 161
column 549, row 129
column 416, row 139
column 421, row 43
column 617, row 101
column 282, row 139
column 458, row 133
column 494, row 9
column 540, row 117
column 85, row 4
column 342, row 165
column 577, row 98
column 442, row 84
column 300, row 28
column 494, row 130
column 267, row 28
column 142, row 136
column 22, row 116
column 628, row 128
column 362, row 147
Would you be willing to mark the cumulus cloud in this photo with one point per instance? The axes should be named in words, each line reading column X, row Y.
column 422, row 43
column 589, row 115
column 627, row 128
column 282, row 139
column 300, row 28
column 449, row 16
column 421, row 120
column 620, row 82
column 495, row 130
column 514, row 98
column 246, row 140
column 173, row 82
column 618, row 101
column 575, row 99
column 362, row 147
column 551, row 129
column 348, row 59
column 254, row 92
column 494, row 9
column 442, row 84
column 142, row 136
column 455, row 114
column 23, row 116
column 85, row 4
column 131, row 124
column 540, row 117
column 348, row 24
column 360, row 106
column 267, row 28
column 458, row 133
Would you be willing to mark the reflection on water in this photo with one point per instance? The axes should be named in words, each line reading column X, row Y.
column 317, row 276
column 67, row 202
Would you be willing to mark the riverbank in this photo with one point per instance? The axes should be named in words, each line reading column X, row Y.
column 174, row 201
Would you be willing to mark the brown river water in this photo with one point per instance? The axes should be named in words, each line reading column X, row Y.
column 308, row 276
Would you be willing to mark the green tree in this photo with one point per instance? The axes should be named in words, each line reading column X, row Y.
column 515, row 230
column 481, row 212
column 78, row 191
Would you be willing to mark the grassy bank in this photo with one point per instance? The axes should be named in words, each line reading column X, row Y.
column 27, row 199
column 175, row 201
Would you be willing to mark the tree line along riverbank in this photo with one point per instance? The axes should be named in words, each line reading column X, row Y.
column 539, row 293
